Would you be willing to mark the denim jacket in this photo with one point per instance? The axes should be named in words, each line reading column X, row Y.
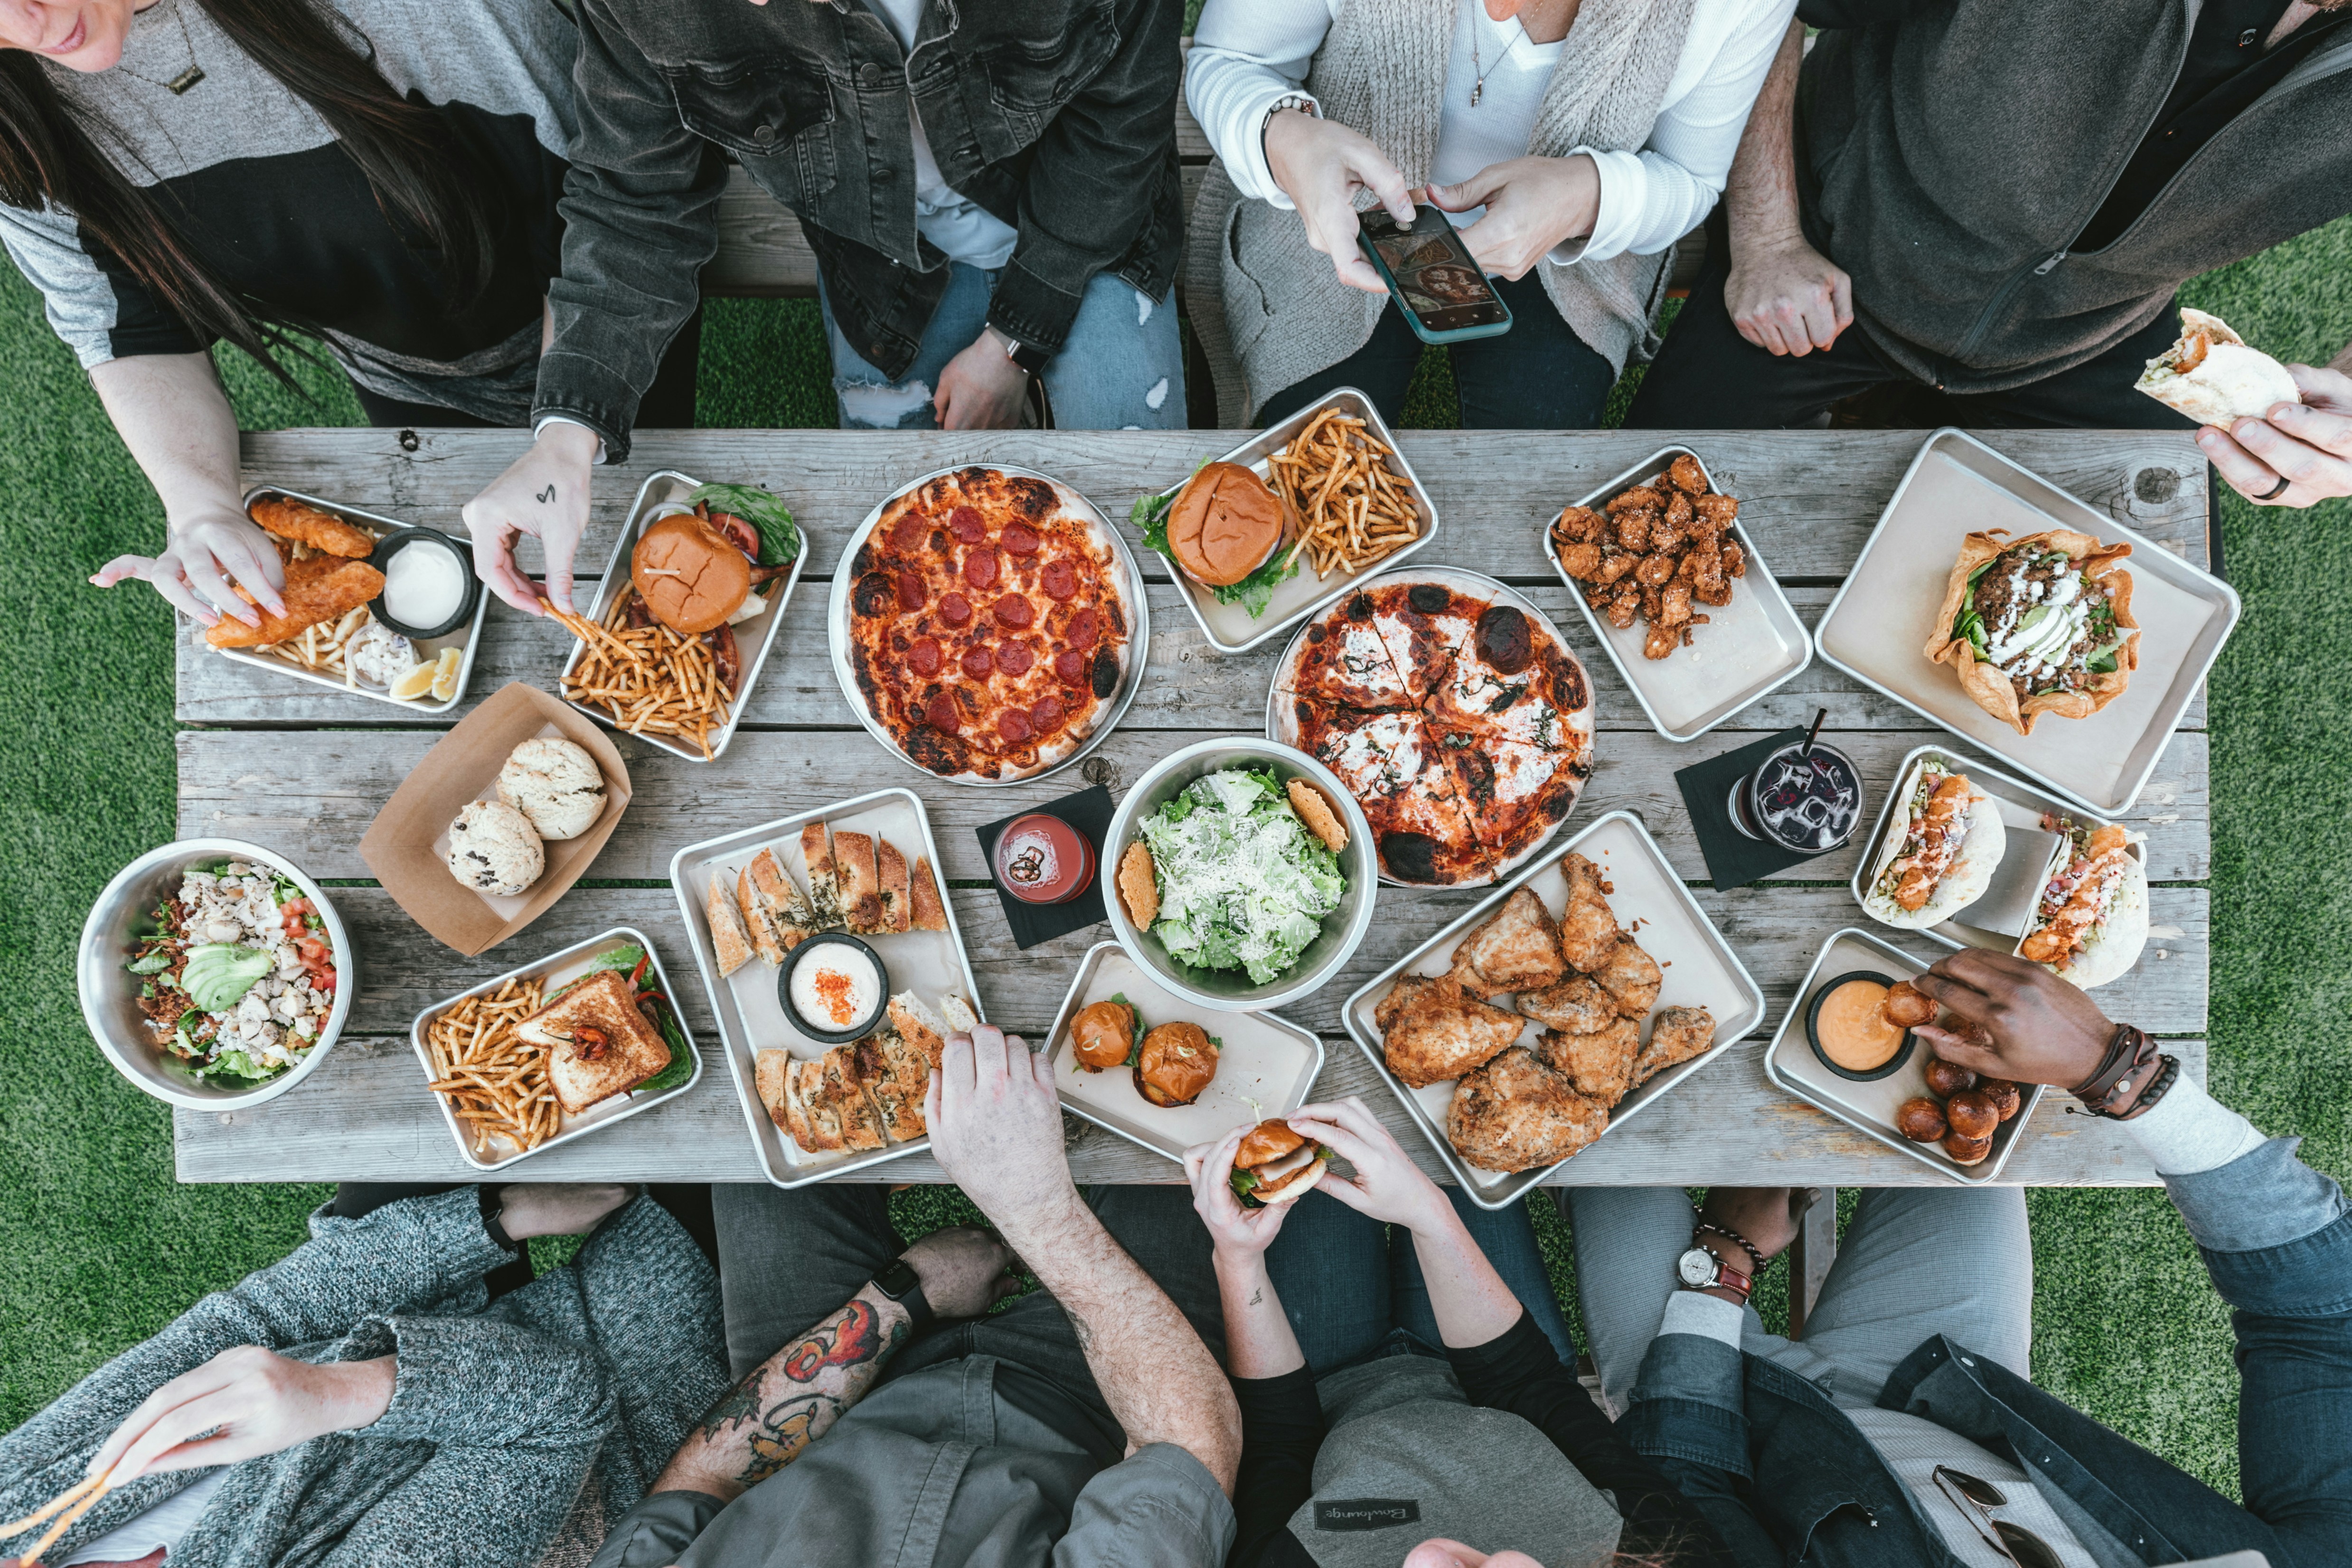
column 1788, row 1480
column 1057, row 115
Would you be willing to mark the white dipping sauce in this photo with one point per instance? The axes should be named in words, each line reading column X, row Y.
column 836, row 987
column 424, row 584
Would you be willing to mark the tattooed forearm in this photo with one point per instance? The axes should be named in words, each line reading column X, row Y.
column 789, row 1401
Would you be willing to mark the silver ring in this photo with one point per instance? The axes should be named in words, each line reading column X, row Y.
column 2275, row 491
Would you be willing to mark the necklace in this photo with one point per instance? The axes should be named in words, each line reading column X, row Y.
column 1477, row 68
column 179, row 85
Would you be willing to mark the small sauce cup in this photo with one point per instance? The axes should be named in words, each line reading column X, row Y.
column 828, row 966
column 410, row 579
column 1816, row 1024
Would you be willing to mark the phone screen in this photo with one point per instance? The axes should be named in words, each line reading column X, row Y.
column 1434, row 274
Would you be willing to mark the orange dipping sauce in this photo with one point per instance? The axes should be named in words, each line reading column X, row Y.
column 1854, row 1030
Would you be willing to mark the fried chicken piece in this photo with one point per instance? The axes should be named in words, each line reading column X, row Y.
column 1633, row 528
column 1685, row 475
column 1638, row 497
column 1662, row 642
column 1516, row 948
column 1657, row 569
column 1576, row 1006
column 291, row 519
column 1588, row 930
column 1578, row 525
column 1581, row 561
column 1630, row 977
column 1599, row 1064
column 1616, row 565
column 1679, row 1034
column 1654, row 604
column 1716, row 513
column 1624, row 607
column 1676, row 608
column 1735, row 559
column 1515, row 1114
column 1437, row 1033
column 322, row 588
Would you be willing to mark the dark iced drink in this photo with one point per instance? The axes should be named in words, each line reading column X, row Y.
column 1808, row 803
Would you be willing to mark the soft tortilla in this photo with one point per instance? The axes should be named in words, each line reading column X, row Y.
column 2115, row 943
column 1984, row 681
column 2234, row 382
column 1965, row 879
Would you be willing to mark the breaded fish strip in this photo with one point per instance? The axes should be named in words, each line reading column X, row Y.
column 292, row 520
column 322, row 588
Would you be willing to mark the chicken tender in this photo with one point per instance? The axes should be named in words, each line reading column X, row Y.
column 1631, row 979
column 1575, row 1006
column 323, row 531
column 1675, row 607
column 1580, row 561
column 1613, row 567
column 1516, row 948
column 1679, row 1034
column 1600, row 1066
column 1440, row 1033
column 1624, row 607
column 1657, row 570
column 321, row 590
column 1661, row 641
column 1716, row 513
column 1515, row 1114
column 1588, row 930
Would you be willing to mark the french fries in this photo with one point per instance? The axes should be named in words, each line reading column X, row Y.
column 495, row 1080
column 66, row 1507
column 649, row 678
column 1354, row 508
column 321, row 647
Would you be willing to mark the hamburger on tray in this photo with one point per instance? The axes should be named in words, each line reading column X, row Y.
column 1276, row 1163
column 1225, row 530
column 2038, row 625
column 2214, row 377
column 1940, row 855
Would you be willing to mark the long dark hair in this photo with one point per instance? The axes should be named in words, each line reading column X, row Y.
column 408, row 153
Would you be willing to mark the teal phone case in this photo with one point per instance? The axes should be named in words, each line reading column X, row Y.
column 1413, row 316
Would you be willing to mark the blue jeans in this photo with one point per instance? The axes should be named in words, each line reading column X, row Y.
column 1353, row 1290
column 1122, row 368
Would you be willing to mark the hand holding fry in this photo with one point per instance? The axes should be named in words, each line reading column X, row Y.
column 253, row 1402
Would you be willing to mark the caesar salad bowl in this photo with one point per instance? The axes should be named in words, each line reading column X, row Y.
column 125, row 912
column 1233, row 990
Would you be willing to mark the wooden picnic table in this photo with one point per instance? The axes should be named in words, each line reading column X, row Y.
column 303, row 771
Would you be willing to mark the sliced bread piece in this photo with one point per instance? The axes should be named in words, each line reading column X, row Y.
column 731, row 942
column 860, row 882
column 824, row 887
column 929, row 913
column 897, row 898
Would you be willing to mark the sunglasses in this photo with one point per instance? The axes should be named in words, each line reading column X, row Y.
column 1976, row 1499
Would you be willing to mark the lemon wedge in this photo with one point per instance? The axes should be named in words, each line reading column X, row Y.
column 445, row 674
column 414, row 683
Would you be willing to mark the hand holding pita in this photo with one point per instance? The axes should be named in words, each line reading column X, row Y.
column 2308, row 444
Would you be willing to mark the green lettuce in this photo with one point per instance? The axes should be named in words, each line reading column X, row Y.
column 780, row 536
column 1148, row 515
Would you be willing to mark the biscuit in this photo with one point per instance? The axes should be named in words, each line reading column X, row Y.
column 1138, row 886
column 1315, row 811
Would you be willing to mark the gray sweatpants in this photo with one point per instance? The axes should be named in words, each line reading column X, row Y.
column 1916, row 1262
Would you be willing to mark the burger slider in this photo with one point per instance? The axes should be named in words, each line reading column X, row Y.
column 602, row 1045
column 690, row 575
column 1276, row 1163
column 1175, row 1063
column 1102, row 1035
column 1225, row 523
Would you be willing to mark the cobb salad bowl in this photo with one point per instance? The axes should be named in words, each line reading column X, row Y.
column 1341, row 930
column 125, row 913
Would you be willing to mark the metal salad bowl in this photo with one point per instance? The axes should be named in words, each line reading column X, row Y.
column 125, row 912
column 1230, row 991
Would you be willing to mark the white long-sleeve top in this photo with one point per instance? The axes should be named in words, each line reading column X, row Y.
column 1248, row 53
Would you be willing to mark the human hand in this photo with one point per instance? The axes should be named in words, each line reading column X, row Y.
column 981, row 388
column 1238, row 1235
column 1762, row 1214
column 203, row 555
column 996, row 1129
column 1320, row 165
column 253, row 1402
column 544, row 494
column 1387, row 1185
column 1440, row 1552
column 2307, row 444
column 2044, row 1029
column 1532, row 205
column 963, row 1270
column 529, row 1208
column 1787, row 298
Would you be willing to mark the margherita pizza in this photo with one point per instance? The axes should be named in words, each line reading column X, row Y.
column 990, row 624
column 1457, row 718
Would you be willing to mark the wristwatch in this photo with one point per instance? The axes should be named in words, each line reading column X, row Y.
column 1028, row 356
column 1700, row 1269
column 903, row 1285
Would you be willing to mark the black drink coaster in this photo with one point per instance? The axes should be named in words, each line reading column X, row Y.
column 1733, row 859
column 1089, row 813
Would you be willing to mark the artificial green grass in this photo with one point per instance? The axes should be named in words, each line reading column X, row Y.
column 103, row 1248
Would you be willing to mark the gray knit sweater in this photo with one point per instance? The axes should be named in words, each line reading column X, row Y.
column 518, row 1431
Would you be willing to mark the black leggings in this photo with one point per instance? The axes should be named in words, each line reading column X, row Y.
column 688, row 1203
column 668, row 403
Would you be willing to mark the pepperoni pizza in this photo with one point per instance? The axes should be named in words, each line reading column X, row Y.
column 1457, row 718
column 989, row 623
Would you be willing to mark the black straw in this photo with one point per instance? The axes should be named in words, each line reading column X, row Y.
column 1805, row 752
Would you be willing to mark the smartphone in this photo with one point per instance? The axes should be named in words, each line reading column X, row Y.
column 1447, row 296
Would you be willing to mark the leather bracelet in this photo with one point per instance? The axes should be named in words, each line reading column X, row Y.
column 2158, row 1087
column 2128, row 1051
column 1754, row 1255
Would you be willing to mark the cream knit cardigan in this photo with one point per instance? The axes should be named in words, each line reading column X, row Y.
column 1279, row 314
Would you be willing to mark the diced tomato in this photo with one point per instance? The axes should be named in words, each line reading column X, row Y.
column 637, row 975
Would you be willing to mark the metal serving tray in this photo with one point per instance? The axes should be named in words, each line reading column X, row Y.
column 1876, row 626
column 1869, row 1107
column 837, row 627
column 1266, row 1066
column 558, row 967
column 1229, row 628
column 1701, row 970
column 753, row 638
column 1281, row 717
column 2021, row 804
column 752, row 1018
column 1748, row 647
column 469, row 636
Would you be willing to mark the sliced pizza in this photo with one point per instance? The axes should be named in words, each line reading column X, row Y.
column 1341, row 661
column 1543, row 700
column 1514, row 794
column 1424, row 626
column 1389, row 762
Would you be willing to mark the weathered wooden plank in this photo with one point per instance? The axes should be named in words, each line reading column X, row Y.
column 1810, row 496
column 312, row 793
column 1775, row 929
column 366, row 1115
column 1186, row 683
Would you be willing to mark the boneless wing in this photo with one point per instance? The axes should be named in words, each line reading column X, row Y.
column 1515, row 1114
column 1440, row 1034
column 1516, row 948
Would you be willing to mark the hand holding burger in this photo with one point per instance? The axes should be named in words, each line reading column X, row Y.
column 1387, row 1185
column 1239, row 1235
